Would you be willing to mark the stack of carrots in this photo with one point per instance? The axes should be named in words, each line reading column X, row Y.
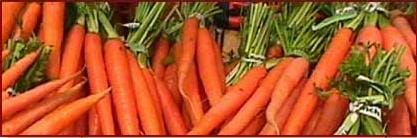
column 70, row 69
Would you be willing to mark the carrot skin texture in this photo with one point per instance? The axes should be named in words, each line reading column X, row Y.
column 94, row 127
column 392, row 37
column 172, row 114
column 145, row 105
column 289, row 79
column 161, row 52
column 9, row 12
column 53, row 15
column 257, row 102
column 321, row 76
column 15, row 104
column 313, row 122
column 219, row 63
column 29, row 19
column 54, row 122
column 171, row 81
column 11, row 75
column 332, row 115
column 399, row 119
column 255, row 125
column 24, row 119
column 98, row 80
column 230, row 102
column 207, row 66
column 117, row 67
column 284, row 112
column 404, row 27
column 72, row 53
column 369, row 35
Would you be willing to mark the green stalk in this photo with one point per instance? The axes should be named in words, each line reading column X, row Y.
column 105, row 22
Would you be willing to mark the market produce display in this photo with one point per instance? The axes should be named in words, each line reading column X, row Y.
column 167, row 68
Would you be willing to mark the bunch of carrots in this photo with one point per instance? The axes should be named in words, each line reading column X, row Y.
column 303, row 69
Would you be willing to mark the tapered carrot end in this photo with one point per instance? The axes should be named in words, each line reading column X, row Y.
column 103, row 93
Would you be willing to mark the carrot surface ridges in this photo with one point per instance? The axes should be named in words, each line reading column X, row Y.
column 230, row 102
column 321, row 76
column 54, row 122
column 29, row 21
column 9, row 12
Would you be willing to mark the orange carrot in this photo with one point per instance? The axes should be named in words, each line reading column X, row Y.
column 369, row 35
column 24, row 119
column 145, row 104
column 207, row 67
column 147, row 73
column 219, row 63
column 284, row 112
column 97, row 78
column 399, row 119
column 255, row 125
column 81, row 127
column 172, row 114
column 321, row 76
column 332, row 115
column 257, row 102
column 72, row 53
column 392, row 37
column 54, row 122
column 161, row 52
column 13, row 105
column 9, row 12
column 29, row 21
column 404, row 27
column 284, row 86
column 53, row 16
column 117, row 67
column 94, row 127
column 10, row 76
column 230, row 102
column 313, row 122
column 4, row 95
column 188, row 48
column 171, row 81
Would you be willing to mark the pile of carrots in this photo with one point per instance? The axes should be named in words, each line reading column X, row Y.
column 165, row 74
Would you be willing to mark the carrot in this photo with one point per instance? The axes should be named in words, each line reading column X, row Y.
column 10, row 76
column 257, row 102
column 230, row 102
column 53, row 15
column 161, row 52
column 9, row 12
column 24, row 119
column 94, row 127
column 13, row 105
column 207, row 67
column 29, row 21
column 172, row 114
column 255, row 125
column 392, row 37
column 285, row 111
column 188, row 48
column 81, row 127
column 289, row 79
column 404, row 27
column 147, row 73
column 313, row 122
column 399, row 119
column 57, row 120
column 332, row 115
column 369, row 35
column 219, row 63
column 117, row 67
column 4, row 95
column 98, row 81
column 145, row 104
column 72, row 53
column 171, row 81
column 321, row 76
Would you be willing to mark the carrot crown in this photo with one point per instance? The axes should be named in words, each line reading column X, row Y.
column 294, row 33
column 36, row 74
column 201, row 10
column 256, row 33
column 145, row 28
column 91, row 14
column 370, row 88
